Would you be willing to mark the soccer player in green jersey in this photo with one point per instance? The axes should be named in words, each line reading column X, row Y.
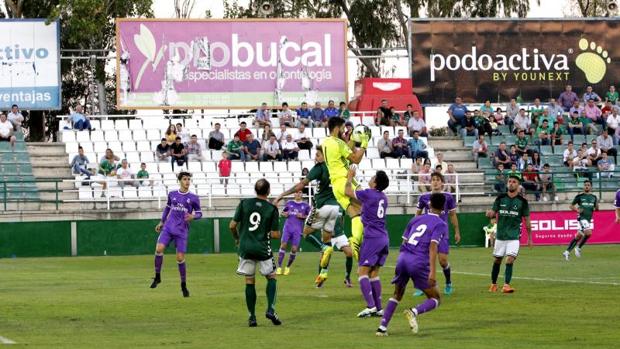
column 256, row 222
column 510, row 209
column 584, row 204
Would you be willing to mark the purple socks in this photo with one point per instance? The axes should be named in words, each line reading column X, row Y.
column 366, row 289
column 182, row 271
column 159, row 260
column 375, row 284
column 426, row 306
column 390, row 307
column 281, row 254
column 291, row 258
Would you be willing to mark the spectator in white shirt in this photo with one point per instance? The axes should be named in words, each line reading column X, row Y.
column 606, row 143
column 181, row 132
column 302, row 138
column 480, row 148
column 569, row 154
column 281, row 134
column 613, row 122
column 271, row 150
column 125, row 174
column 512, row 110
column 522, row 122
column 450, row 178
column 416, row 123
column 286, row 115
column 439, row 161
column 263, row 116
column 594, row 154
column 290, row 150
column 15, row 117
column 384, row 145
column 606, row 166
column 6, row 130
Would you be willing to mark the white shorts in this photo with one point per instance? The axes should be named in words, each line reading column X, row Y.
column 505, row 248
column 247, row 267
column 584, row 225
column 340, row 241
column 324, row 218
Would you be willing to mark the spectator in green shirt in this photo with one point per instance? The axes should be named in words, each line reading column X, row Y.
column 235, row 149
column 542, row 133
column 143, row 175
column 500, row 179
column 344, row 111
column 612, row 95
column 556, row 134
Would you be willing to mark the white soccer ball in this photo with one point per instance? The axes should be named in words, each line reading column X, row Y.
column 359, row 132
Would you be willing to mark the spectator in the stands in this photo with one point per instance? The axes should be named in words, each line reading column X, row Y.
column 318, row 116
column 399, row 144
column 385, row 114
column 576, row 108
column 79, row 164
column 235, row 149
column 16, row 117
column 450, row 179
column 381, row 119
column 243, row 132
column 343, row 111
column 591, row 95
column 416, row 123
column 162, row 151
column 581, row 162
column 606, row 143
column 331, row 110
column 271, row 150
column 267, row 133
column 281, row 134
column 613, row 123
column 523, row 162
column 408, row 114
column 126, row 176
column 290, row 149
column 143, row 176
column 511, row 111
column 384, row 145
column 7, row 131
column 482, row 123
column 416, row 166
column 594, row 115
column 606, row 166
column 252, row 148
column 396, row 119
column 216, row 138
column 108, row 166
column 594, row 154
column 553, row 109
column 194, row 150
column 304, row 115
column 183, row 133
column 480, row 149
column 80, row 120
column 531, row 181
column 286, row 116
column 303, row 138
column 575, row 126
column 543, row 132
column 536, row 111
column 178, row 153
column 417, row 147
column 522, row 122
column 348, row 131
column 546, row 183
column 513, row 171
column 456, row 112
column 494, row 126
column 500, row 179
column 567, row 98
column 612, row 95
column 514, row 156
column 469, row 126
column 439, row 161
column 171, row 134
column 224, row 166
column 568, row 155
column 486, row 108
column 499, row 117
column 263, row 116
column 536, row 161
column 522, row 143
column 556, row 134
column 607, row 109
column 424, row 178
column 438, row 169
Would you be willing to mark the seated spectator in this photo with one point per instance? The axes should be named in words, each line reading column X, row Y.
column 499, row 117
column 243, row 132
column 438, row 169
column 556, row 134
column 416, row 166
column 612, row 95
column 416, row 123
column 6, row 131
column 546, row 183
column 581, row 163
column 591, row 95
column 613, row 124
column 162, row 152
column 143, row 176
column 439, row 161
column 522, row 122
column 606, row 143
column 576, row 108
column 450, row 179
column 575, row 126
column 605, row 166
column 486, row 108
column 543, row 132
column 304, row 115
column 407, row 115
column 494, row 126
column 522, row 143
column 171, row 135
column 286, row 116
column 399, row 144
column 384, row 145
column 480, row 149
column 107, row 167
column 424, row 178
column 523, row 162
column 178, row 153
column 348, row 130
column 318, row 116
column 80, row 120
column 513, row 171
column 236, row 149
column 482, row 123
column 594, row 116
column 303, row 138
column 267, row 133
column 252, row 148
column 194, row 150
column 531, row 181
column 290, row 149
column 607, row 109
column 79, row 164
column 568, row 155
column 224, row 166
column 126, row 176
column 281, row 134
column 263, row 116
column 594, row 154
column 512, row 110
column 536, row 161
column 183, row 133
column 395, row 120
column 567, row 98
column 271, row 150
column 456, row 113
column 331, row 110
column 514, row 156
column 554, row 109
column 500, row 179
column 16, row 118
column 537, row 111
column 216, row 138
column 343, row 111
column 469, row 126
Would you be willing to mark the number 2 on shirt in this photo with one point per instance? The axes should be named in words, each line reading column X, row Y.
column 420, row 230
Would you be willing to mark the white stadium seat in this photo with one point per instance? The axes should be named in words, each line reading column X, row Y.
column 194, row 166
column 107, row 125
column 120, row 124
column 135, row 124
column 125, row 135
column 147, row 156
column 251, row 167
column 68, row 136
column 82, row 136
column 111, row 135
column 139, row 135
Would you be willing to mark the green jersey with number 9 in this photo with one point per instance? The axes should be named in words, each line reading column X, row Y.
column 256, row 220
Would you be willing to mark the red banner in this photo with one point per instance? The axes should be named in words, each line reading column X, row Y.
column 559, row 227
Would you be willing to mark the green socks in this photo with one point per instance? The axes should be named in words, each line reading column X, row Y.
column 271, row 295
column 508, row 275
column 250, row 299
column 495, row 272
column 349, row 266
column 572, row 245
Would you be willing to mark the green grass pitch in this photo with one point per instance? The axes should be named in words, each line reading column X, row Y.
column 87, row 302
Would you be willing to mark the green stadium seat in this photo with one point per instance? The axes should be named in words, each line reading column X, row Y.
column 468, row 141
column 546, row 149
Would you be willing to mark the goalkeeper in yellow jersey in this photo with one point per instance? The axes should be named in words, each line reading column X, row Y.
column 338, row 155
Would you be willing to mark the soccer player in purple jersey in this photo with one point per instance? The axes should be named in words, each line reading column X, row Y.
column 182, row 208
column 617, row 206
column 416, row 262
column 449, row 210
column 375, row 243
column 295, row 212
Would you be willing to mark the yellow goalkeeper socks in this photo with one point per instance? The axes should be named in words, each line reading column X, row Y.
column 357, row 234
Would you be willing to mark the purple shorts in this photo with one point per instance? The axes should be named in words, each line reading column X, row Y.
column 444, row 245
column 374, row 252
column 180, row 242
column 407, row 268
column 291, row 237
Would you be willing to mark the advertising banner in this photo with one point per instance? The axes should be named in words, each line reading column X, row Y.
column 189, row 64
column 559, row 228
column 30, row 64
column 497, row 60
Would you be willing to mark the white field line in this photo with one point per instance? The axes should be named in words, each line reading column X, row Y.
column 4, row 340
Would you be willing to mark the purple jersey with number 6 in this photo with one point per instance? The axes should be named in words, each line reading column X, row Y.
column 374, row 207
column 419, row 234
column 424, row 204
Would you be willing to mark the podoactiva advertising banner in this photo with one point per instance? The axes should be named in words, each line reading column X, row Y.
column 29, row 64
column 501, row 59
column 559, row 228
column 229, row 63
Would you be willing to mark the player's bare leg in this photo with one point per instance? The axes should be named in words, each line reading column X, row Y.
column 433, row 300
column 250, row 299
column 182, row 273
column 508, row 275
column 348, row 252
column 159, row 260
column 271, row 300
column 497, row 263
column 445, row 266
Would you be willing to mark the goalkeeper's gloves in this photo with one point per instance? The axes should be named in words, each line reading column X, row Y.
column 364, row 141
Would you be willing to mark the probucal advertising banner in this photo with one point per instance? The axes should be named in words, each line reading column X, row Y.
column 497, row 60
column 229, row 63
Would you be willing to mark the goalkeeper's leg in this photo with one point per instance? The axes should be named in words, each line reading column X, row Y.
column 357, row 229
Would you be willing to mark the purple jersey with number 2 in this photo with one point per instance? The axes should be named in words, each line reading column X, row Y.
column 374, row 207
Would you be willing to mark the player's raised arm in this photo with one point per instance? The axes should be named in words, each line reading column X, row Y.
column 348, row 189
column 297, row 187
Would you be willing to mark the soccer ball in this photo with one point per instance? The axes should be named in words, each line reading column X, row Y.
column 359, row 132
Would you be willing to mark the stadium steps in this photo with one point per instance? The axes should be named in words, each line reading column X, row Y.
column 16, row 177
column 49, row 161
